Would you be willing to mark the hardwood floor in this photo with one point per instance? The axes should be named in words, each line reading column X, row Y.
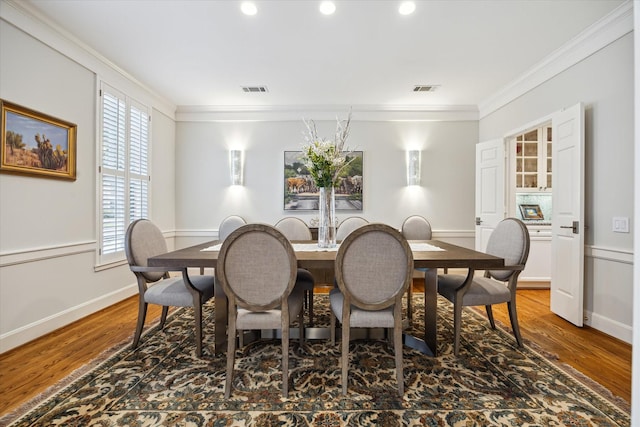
column 30, row 369
column 601, row 357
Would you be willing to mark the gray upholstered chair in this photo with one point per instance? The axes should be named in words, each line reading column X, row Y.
column 509, row 240
column 374, row 265
column 261, row 292
column 227, row 226
column 415, row 227
column 155, row 286
column 348, row 225
column 296, row 229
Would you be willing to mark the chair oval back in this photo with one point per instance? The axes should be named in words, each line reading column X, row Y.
column 374, row 265
column 294, row 228
column 229, row 225
column 348, row 225
column 510, row 240
column 142, row 241
column 416, row 227
column 257, row 266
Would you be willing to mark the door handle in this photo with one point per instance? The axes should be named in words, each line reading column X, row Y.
column 478, row 220
column 574, row 227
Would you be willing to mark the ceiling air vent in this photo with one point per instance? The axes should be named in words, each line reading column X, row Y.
column 254, row 89
column 425, row 88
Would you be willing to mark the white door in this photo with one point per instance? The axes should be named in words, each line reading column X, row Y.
column 490, row 188
column 567, row 244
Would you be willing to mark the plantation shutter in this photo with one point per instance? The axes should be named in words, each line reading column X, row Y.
column 138, row 177
column 124, row 168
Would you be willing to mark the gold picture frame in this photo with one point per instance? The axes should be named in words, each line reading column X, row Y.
column 36, row 144
column 531, row 212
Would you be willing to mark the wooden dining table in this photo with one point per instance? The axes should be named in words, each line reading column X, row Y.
column 448, row 256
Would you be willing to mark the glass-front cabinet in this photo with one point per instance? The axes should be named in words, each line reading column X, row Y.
column 533, row 160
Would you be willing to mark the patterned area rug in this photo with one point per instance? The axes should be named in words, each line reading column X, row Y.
column 492, row 382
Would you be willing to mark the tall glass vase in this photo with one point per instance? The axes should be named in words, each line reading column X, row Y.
column 327, row 225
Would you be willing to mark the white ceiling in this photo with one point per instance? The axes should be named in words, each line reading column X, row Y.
column 203, row 52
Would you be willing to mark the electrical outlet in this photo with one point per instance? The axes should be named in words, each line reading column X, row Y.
column 620, row 224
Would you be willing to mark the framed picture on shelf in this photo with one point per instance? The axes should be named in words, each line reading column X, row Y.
column 531, row 212
column 300, row 192
column 36, row 144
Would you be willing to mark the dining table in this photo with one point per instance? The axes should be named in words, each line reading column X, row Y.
column 429, row 254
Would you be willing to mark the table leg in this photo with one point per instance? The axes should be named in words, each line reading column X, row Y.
column 428, row 345
column 431, row 309
column 220, row 327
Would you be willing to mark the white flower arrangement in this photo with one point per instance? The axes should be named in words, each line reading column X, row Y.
column 325, row 158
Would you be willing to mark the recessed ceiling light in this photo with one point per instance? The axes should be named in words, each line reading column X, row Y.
column 248, row 8
column 407, row 8
column 327, row 7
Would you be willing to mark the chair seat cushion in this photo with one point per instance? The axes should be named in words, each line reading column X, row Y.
column 270, row 319
column 304, row 280
column 173, row 291
column 483, row 290
column 361, row 318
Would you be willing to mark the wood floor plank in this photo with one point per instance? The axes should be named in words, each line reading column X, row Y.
column 30, row 369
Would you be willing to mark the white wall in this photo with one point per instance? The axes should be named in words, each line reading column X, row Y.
column 48, row 230
column 604, row 83
column 635, row 363
column 446, row 197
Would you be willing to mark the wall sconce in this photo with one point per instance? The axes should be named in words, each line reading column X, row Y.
column 413, row 167
column 236, row 166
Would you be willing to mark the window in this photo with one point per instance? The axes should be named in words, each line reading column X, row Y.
column 123, row 171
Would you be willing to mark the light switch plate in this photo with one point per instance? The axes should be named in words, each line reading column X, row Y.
column 620, row 224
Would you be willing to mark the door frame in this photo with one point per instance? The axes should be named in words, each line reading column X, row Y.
column 509, row 138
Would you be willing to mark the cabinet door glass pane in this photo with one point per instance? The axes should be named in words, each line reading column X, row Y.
column 531, row 181
column 531, row 136
column 531, row 149
column 531, row 165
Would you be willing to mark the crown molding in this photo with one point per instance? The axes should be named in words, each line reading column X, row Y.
column 26, row 18
column 198, row 113
column 605, row 31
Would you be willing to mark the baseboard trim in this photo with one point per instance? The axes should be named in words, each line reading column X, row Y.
column 610, row 327
column 24, row 334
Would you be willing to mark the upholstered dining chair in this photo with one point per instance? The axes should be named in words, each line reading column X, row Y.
column 415, row 227
column 374, row 266
column 348, row 225
column 143, row 240
column 509, row 240
column 261, row 293
column 227, row 226
column 296, row 229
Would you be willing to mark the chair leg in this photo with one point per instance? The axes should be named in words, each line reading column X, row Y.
column 345, row 358
column 397, row 345
column 231, row 356
column 410, row 302
column 142, row 314
column 457, row 320
column 513, row 316
column 332, row 328
column 490, row 316
column 285, row 360
column 198, row 317
column 163, row 316
column 310, row 307
column 301, row 326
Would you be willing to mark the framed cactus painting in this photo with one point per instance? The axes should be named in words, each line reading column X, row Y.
column 37, row 144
